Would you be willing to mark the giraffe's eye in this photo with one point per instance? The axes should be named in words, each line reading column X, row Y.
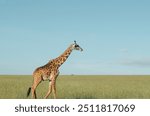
column 76, row 45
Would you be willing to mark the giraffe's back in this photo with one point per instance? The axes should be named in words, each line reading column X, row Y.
column 45, row 71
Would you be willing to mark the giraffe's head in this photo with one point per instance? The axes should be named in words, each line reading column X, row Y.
column 76, row 46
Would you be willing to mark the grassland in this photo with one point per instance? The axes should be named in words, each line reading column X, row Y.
column 80, row 87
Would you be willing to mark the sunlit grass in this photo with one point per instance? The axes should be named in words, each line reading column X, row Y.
column 80, row 87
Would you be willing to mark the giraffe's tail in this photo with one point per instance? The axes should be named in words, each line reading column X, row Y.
column 29, row 91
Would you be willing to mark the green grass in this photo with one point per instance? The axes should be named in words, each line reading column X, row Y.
column 80, row 87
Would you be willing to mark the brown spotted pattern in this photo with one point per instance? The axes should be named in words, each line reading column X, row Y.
column 50, row 72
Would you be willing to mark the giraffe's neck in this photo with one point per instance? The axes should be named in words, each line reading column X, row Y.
column 63, row 57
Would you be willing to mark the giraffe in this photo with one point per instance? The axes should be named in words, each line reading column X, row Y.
column 50, row 72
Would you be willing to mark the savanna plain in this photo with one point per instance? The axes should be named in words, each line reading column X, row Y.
column 79, row 87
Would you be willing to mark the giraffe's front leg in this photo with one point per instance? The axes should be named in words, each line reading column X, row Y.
column 54, row 88
column 49, row 90
column 54, row 84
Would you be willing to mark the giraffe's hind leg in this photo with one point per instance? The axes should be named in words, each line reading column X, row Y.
column 36, row 82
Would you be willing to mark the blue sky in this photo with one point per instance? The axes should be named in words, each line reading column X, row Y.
column 115, row 35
